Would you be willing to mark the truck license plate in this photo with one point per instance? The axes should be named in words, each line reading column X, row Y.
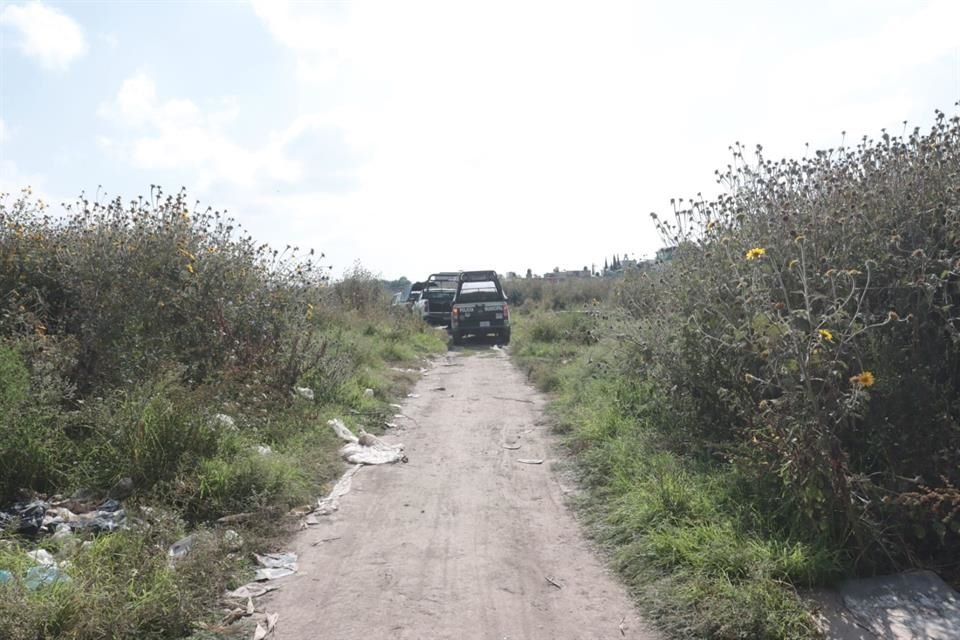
column 499, row 316
column 484, row 323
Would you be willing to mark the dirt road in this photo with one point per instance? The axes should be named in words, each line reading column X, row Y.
column 462, row 542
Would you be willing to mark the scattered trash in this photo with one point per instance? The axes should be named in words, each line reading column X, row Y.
column 108, row 517
column 302, row 510
column 316, row 542
column 413, row 395
column 179, row 549
column 28, row 517
column 43, row 575
column 42, row 557
column 304, row 392
column 530, row 460
column 396, row 406
column 326, row 506
column 276, row 565
column 439, row 389
column 368, row 393
column 390, row 425
column 264, row 449
column 372, row 450
column 260, row 632
column 399, row 415
column 5, row 576
column 272, row 619
column 250, row 590
column 341, row 430
column 511, row 446
column 233, row 615
column 553, row 582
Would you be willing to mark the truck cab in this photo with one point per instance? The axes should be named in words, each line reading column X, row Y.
column 479, row 308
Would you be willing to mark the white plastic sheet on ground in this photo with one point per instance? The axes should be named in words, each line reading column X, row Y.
column 331, row 503
column 367, row 449
column 276, row 565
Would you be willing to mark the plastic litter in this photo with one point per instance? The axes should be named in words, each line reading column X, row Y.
column 42, row 557
column 326, row 506
column 276, row 565
column 264, row 449
column 28, row 516
column 44, row 575
column 304, row 392
column 250, row 590
column 368, row 393
column 530, row 460
column 368, row 449
column 108, row 517
column 179, row 549
column 341, row 430
column 413, row 395
column 5, row 576
column 396, row 406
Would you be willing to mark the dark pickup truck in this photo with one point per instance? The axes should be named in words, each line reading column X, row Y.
column 434, row 305
column 479, row 307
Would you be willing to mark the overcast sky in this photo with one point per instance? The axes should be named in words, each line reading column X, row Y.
column 427, row 136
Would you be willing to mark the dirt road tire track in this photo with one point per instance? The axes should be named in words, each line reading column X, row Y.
column 463, row 541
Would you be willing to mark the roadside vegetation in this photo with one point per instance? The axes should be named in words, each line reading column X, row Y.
column 155, row 352
column 777, row 408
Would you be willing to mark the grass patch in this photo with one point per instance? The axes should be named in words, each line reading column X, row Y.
column 680, row 529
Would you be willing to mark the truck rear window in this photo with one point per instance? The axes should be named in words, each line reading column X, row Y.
column 438, row 295
column 483, row 291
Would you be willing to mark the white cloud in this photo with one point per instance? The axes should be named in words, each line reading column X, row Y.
column 557, row 129
column 176, row 134
column 46, row 34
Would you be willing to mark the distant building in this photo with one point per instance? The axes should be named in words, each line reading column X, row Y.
column 558, row 274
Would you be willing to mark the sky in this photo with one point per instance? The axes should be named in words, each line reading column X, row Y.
column 417, row 136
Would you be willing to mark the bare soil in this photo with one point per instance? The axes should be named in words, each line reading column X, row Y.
column 462, row 542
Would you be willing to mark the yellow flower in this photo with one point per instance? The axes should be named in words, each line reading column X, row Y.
column 190, row 267
column 864, row 379
column 756, row 252
column 826, row 335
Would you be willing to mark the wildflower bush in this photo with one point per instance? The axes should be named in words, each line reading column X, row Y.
column 777, row 406
column 156, row 346
column 807, row 335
